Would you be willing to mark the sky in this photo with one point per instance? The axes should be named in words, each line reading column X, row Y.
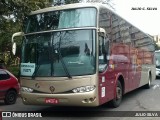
column 146, row 20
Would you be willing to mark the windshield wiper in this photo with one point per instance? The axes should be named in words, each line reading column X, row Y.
column 64, row 65
column 62, row 61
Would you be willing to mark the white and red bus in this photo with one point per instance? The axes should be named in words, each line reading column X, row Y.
column 82, row 55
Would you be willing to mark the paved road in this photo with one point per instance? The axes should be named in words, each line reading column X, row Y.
column 137, row 100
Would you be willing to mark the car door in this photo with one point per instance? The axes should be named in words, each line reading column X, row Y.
column 4, row 80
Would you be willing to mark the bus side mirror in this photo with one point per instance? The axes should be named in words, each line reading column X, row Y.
column 102, row 32
column 14, row 43
column 14, row 47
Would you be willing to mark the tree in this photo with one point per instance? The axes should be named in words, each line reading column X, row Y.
column 107, row 2
column 60, row 2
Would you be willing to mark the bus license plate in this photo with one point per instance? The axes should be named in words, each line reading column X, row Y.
column 51, row 100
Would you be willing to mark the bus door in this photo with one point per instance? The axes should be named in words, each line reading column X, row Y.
column 105, row 89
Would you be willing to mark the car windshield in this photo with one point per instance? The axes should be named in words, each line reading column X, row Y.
column 61, row 53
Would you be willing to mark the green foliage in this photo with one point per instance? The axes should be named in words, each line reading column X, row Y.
column 71, row 1
column 12, row 13
column 19, row 8
column 59, row 2
column 14, row 70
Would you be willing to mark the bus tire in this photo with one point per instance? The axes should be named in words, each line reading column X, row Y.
column 117, row 101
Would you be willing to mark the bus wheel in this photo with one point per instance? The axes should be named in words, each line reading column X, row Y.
column 117, row 101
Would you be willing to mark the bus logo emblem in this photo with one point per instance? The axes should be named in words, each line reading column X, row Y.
column 52, row 89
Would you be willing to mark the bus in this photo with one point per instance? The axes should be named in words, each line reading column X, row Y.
column 82, row 55
column 157, row 57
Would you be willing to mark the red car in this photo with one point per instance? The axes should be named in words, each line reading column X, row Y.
column 9, row 87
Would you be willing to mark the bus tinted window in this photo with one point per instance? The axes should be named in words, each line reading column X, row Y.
column 45, row 52
column 61, row 19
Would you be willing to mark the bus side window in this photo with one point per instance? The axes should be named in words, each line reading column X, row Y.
column 103, row 49
column 103, row 53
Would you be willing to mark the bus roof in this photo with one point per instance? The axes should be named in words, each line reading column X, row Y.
column 82, row 5
column 68, row 6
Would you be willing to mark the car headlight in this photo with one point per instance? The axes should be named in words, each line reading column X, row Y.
column 83, row 89
column 26, row 89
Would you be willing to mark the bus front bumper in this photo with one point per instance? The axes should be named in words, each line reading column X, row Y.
column 72, row 99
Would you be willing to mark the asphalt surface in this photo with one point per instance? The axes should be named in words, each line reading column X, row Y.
column 142, row 104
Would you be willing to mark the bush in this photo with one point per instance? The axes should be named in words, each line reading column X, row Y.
column 14, row 70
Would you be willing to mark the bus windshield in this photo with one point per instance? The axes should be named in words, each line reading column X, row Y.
column 72, row 18
column 59, row 53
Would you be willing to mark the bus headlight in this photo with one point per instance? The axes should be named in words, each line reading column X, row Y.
column 26, row 89
column 83, row 89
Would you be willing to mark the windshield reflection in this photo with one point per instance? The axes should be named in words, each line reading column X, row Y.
column 60, row 53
